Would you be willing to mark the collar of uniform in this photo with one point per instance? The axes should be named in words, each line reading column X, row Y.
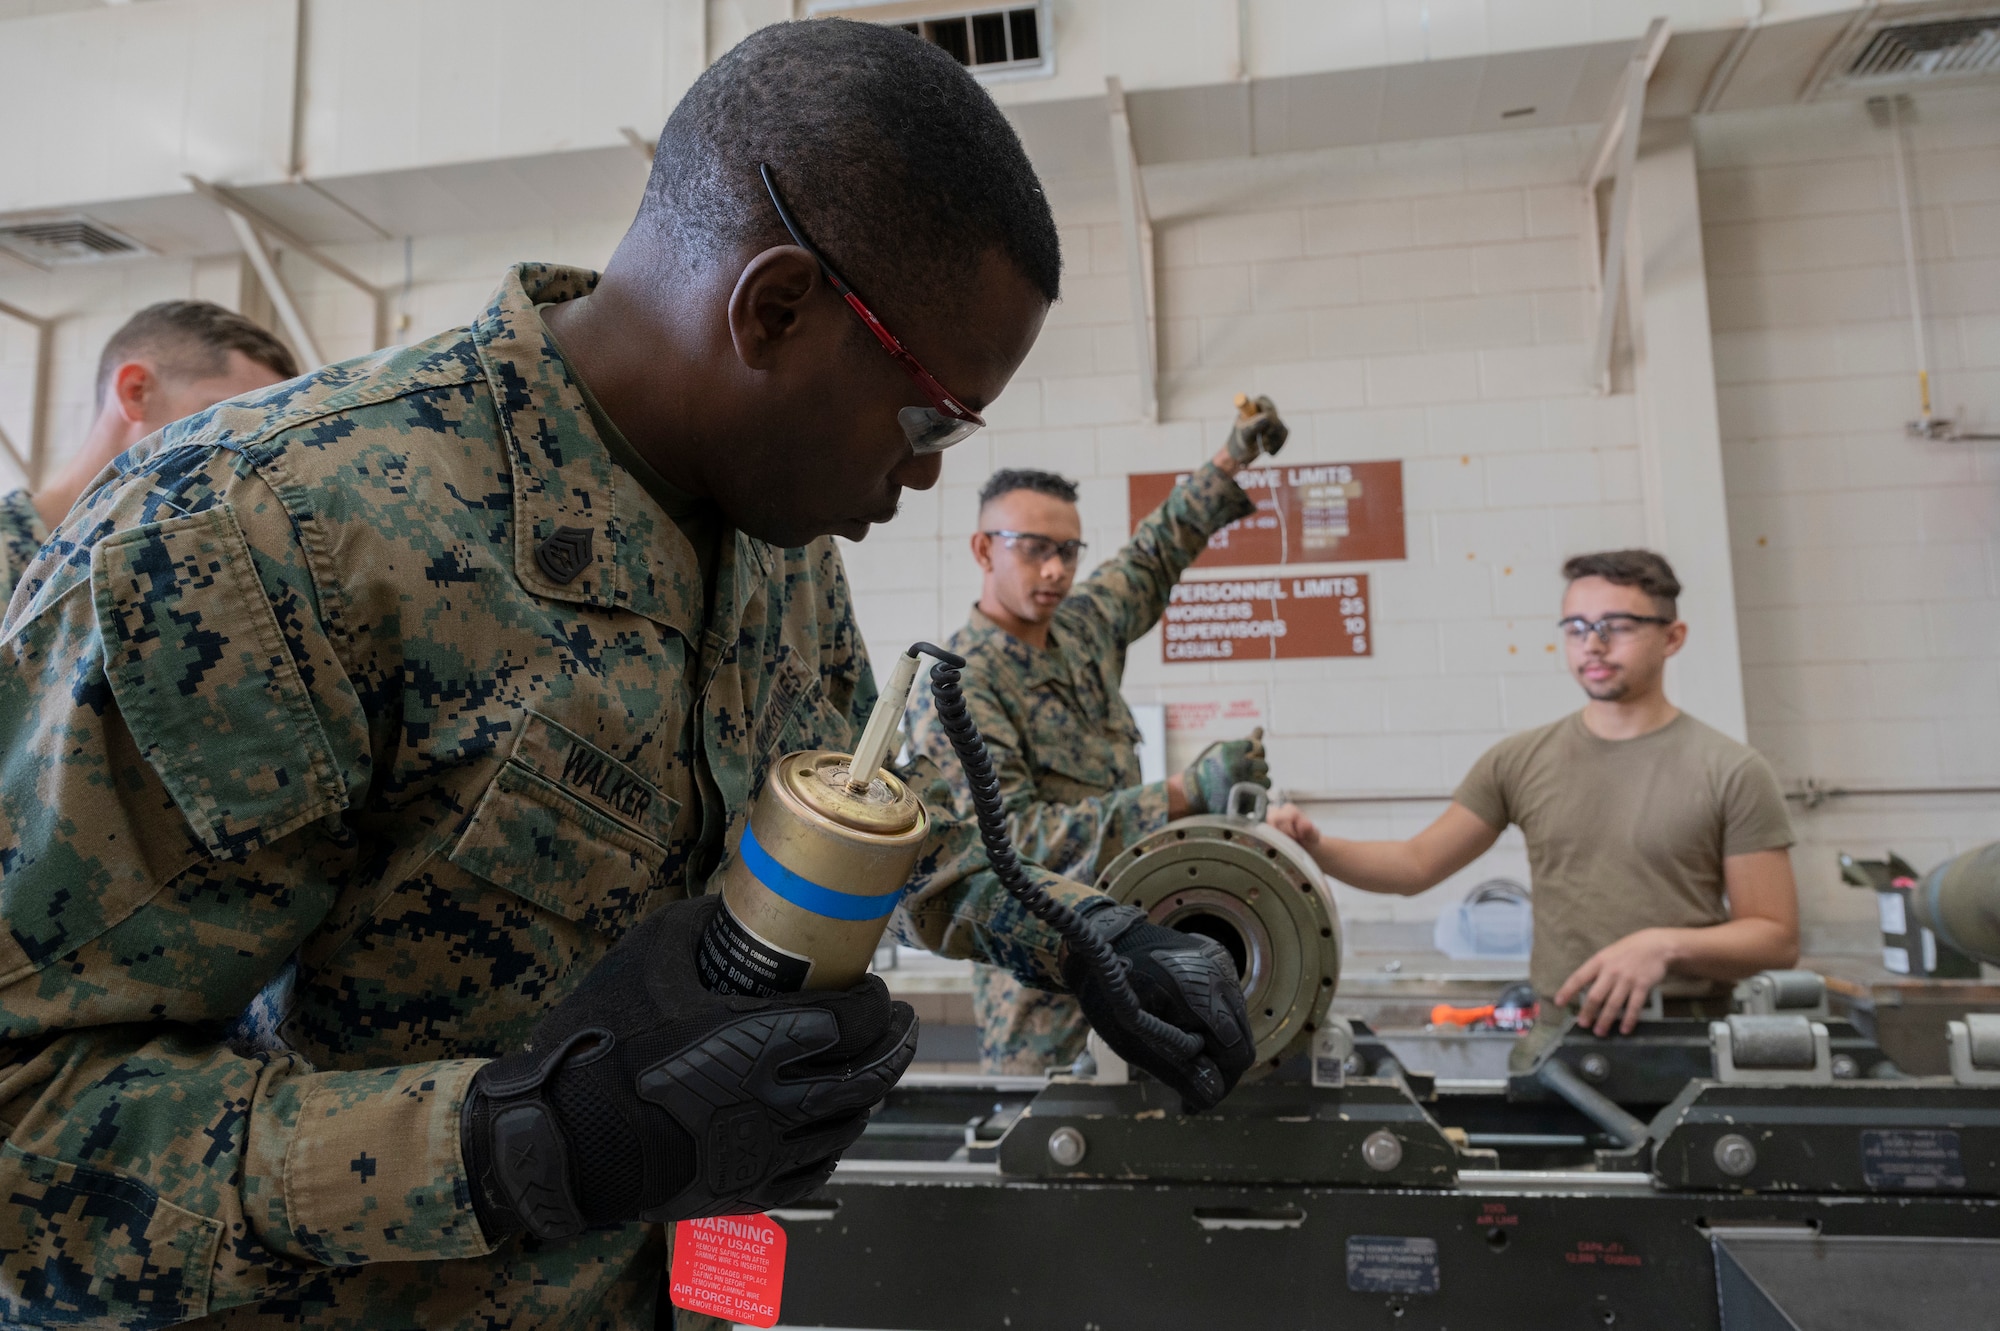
column 564, row 476
column 1044, row 666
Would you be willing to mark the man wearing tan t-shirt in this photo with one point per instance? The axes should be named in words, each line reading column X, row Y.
column 1658, row 847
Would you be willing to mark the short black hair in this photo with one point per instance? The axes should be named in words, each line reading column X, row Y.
column 897, row 165
column 1009, row 479
column 191, row 339
column 1643, row 569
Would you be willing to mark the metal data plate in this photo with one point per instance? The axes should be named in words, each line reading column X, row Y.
column 1903, row 1137
column 1255, row 892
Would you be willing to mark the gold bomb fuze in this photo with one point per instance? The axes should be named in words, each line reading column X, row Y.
column 830, row 843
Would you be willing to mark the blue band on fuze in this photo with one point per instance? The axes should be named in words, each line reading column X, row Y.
column 808, row 895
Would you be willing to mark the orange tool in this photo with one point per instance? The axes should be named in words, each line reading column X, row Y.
column 1444, row 1014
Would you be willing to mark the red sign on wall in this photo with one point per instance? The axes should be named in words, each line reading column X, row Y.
column 1264, row 619
column 1322, row 513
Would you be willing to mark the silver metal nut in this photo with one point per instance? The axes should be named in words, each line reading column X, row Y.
column 1067, row 1147
column 1594, row 1067
column 1845, row 1067
column 1382, row 1150
column 1734, row 1155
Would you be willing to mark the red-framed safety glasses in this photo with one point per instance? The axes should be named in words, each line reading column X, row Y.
column 929, row 429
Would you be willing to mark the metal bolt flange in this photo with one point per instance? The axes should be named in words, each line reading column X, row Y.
column 1595, row 1067
column 1067, row 1147
column 1846, row 1067
column 1734, row 1155
column 1382, row 1150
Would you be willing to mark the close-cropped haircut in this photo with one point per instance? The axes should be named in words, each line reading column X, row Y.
column 191, row 339
column 1643, row 569
column 1010, row 479
column 897, row 165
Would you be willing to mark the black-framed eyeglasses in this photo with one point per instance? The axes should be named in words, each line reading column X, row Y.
column 1039, row 549
column 946, row 421
column 1613, row 626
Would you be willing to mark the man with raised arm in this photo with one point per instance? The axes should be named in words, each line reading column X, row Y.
column 1044, row 662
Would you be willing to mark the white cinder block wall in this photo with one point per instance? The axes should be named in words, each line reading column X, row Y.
column 1867, row 563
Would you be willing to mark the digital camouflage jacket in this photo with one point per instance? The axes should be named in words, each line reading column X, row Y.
column 21, row 534
column 1064, row 744
column 340, row 734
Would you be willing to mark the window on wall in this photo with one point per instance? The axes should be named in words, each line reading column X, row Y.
column 991, row 41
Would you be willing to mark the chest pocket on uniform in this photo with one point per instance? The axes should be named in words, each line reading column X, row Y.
column 1079, row 755
column 569, row 827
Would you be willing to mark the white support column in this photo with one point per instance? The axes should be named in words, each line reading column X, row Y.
column 274, row 286
column 1138, row 229
column 1680, row 435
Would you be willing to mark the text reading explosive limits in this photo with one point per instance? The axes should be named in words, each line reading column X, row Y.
column 1319, row 514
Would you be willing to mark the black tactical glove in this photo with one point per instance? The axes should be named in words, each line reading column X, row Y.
column 1220, row 768
column 1185, row 979
column 643, row 1096
column 1258, row 432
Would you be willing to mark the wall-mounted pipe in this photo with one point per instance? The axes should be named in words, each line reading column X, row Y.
column 1890, row 113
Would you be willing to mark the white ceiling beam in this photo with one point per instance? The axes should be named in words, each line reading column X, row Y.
column 1616, row 153
column 1645, row 56
column 1138, row 229
column 1617, row 236
column 231, row 201
column 1725, row 68
column 638, row 142
column 252, row 227
column 289, row 315
column 1824, row 66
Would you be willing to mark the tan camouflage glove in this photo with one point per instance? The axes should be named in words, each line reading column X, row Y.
column 1221, row 766
column 1258, row 429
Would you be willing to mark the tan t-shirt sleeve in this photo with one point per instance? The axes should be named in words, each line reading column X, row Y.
column 1754, row 817
column 1484, row 789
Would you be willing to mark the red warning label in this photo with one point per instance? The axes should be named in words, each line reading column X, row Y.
column 731, row 1267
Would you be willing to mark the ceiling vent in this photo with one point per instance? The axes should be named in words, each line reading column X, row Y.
column 1951, row 45
column 48, row 241
column 1004, row 42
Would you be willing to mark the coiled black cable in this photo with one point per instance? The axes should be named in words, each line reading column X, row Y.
column 984, row 784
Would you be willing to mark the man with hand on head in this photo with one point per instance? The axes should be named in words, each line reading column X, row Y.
column 168, row 361
column 1043, row 666
column 1659, row 847
column 366, row 747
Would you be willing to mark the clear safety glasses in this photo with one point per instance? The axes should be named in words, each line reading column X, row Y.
column 930, row 429
column 1610, row 628
column 1035, row 548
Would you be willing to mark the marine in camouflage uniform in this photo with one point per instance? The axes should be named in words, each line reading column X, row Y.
column 1064, row 744
column 21, row 534
column 343, row 732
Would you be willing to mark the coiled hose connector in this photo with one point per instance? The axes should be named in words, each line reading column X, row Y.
column 984, row 784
